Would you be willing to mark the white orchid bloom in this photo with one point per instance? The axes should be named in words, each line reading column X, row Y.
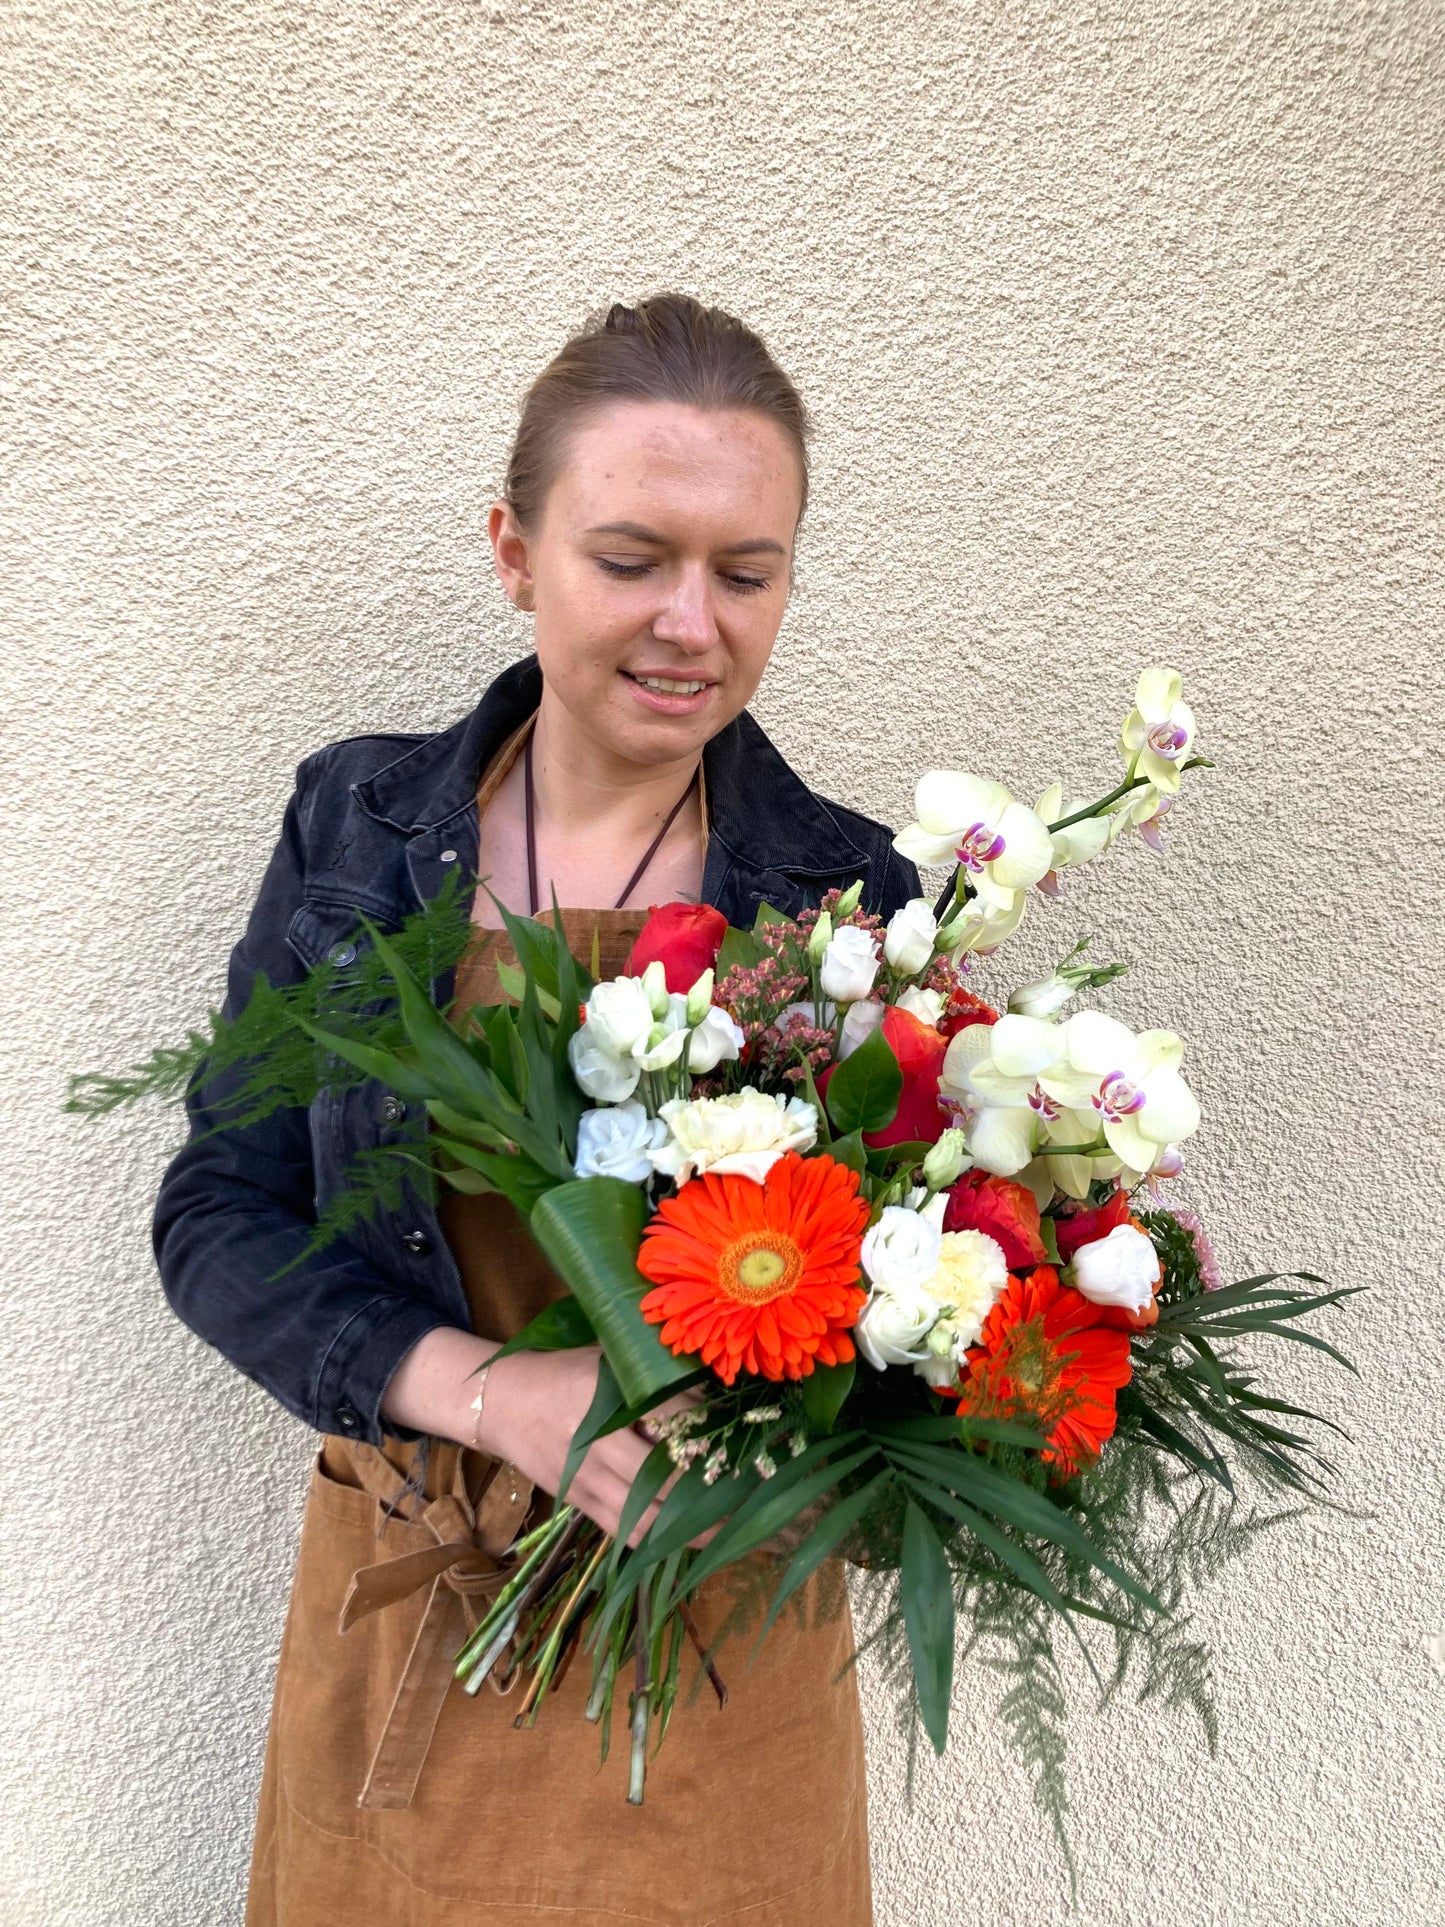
column 990, row 1077
column 980, row 928
column 1142, row 810
column 1000, row 844
column 1080, row 841
column 1131, row 1085
column 1159, row 729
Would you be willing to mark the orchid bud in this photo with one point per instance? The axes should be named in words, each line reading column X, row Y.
column 654, row 985
column 946, row 1161
column 849, row 900
column 820, row 939
column 699, row 998
column 952, row 933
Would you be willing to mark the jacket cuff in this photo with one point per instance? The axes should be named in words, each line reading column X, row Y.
column 359, row 1363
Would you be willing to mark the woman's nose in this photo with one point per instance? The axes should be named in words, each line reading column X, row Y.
column 686, row 616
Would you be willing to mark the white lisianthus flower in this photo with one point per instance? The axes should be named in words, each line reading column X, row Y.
column 607, row 1075
column 908, row 940
column 1121, row 1269
column 859, row 1023
column 1131, row 1085
column 893, row 1326
column 746, row 1133
column 663, row 1044
column 1159, row 729
column 618, row 1143
column 1000, row 844
column 1079, row 841
column 716, row 1040
column 925, row 1005
column 900, row 1250
column 619, row 1015
column 850, row 965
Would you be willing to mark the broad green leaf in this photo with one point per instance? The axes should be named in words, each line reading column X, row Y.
column 605, row 1401
column 514, row 982
column 739, row 950
column 774, row 1504
column 926, row 1586
column 824, row 1391
column 590, row 1229
column 561, row 1326
column 458, row 1124
column 515, row 1176
column 766, row 915
column 850, row 1150
column 864, row 1089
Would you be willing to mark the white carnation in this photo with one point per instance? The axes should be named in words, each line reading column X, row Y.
column 617, row 1143
column 745, row 1133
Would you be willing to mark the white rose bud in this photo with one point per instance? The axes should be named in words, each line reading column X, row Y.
column 1045, row 997
column 699, row 998
column 908, row 941
column 901, row 1251
column 946, row 1161
column 618, row 1143
column 820, row 938
column 850, row 965
column 1121, row 1269
column 654, row 983
column 893, row 1327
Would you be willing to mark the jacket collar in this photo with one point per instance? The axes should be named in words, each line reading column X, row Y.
column 760, row 811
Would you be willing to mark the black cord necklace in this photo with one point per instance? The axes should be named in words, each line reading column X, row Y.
column 636, row 876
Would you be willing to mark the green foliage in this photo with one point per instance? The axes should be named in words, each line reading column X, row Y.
column 864, row 1090
column 271, row 1061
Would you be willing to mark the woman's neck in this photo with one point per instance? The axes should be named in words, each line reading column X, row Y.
column 580, row 784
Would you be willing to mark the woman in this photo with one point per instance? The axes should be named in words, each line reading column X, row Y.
column 652, row 503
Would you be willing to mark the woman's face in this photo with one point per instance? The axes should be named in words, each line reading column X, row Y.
column 659, row 571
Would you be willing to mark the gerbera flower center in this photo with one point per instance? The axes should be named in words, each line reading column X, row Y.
column 760, row 1266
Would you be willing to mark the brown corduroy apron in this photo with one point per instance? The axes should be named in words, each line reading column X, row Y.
column 389, row 1798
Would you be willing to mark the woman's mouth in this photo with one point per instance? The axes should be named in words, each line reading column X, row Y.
column 672, row 695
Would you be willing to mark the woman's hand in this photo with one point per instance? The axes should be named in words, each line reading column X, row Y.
column 532, row 1404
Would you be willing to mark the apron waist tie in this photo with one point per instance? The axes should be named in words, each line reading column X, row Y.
column 463, row 1564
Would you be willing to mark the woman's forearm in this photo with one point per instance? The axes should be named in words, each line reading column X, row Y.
column 432, row 1388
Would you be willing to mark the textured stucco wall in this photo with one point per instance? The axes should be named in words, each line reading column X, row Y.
column 1122, row 328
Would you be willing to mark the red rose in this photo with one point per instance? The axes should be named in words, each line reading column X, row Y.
column 1085, row 1226
column 1003, row 1210
column 919, row 1050
column 963, row 1009
column 683, row 937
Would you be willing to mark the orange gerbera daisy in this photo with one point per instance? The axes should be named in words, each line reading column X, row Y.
column 759, row 1277
column 1042, row 1354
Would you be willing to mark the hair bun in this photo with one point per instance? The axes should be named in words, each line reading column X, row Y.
column 621, row 320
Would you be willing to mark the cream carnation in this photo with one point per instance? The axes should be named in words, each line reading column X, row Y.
column 971, row 1276
column 745, row 1133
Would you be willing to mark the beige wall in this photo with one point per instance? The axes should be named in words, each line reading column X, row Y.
column 1121, row 324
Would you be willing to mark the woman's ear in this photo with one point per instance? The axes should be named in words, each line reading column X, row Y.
column 509, row 550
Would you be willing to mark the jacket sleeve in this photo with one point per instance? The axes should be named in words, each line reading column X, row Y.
column 236, row 1204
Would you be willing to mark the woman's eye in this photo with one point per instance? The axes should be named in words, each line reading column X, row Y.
column 743, row 584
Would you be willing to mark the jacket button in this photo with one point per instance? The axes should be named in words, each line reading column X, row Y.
column 348, row 1418
column 392, row 1109
column 447, row 856
column 341, row 954
column 416, row 1241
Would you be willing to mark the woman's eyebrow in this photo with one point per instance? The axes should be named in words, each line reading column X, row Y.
column 759, row 545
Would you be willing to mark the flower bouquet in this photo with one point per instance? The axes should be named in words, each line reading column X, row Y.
column 910, row 1251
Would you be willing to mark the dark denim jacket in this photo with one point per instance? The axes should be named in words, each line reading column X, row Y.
column 372, row 826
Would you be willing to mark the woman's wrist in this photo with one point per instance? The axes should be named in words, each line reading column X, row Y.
column 435, row 1387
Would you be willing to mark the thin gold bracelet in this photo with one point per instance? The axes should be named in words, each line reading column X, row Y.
column 476, row 1406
